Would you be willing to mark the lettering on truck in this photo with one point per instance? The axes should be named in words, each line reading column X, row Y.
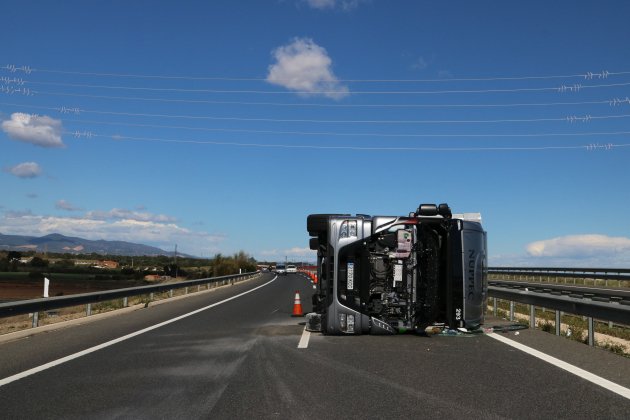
column 471, row 273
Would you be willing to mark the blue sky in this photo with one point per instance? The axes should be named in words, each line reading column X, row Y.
column 219, row 126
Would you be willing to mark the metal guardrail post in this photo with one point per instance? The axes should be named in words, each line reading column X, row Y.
column 198, row 288
column 494, row 306
column 88, row 309
column 591, row 331
column 185, row 290
column 125, row 301
column 170, row 293
column 35, row 322
column 558, row 320
column 511, row 311
column 532, row 316
column 151, row 297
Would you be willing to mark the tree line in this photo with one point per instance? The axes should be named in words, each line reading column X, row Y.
column 129, row 267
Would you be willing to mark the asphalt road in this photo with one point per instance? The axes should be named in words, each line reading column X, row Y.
column 240, row 360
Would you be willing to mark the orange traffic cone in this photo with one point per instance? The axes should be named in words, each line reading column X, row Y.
column 297, row 305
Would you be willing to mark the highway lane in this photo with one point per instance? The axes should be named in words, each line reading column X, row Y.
column 240, row 360
column 45, row 347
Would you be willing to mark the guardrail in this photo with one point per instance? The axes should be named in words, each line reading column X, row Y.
column 617, row 311
column 35, row 306
column 619, row 274
column 602, row 294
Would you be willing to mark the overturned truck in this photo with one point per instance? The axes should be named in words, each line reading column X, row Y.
column 394, row 274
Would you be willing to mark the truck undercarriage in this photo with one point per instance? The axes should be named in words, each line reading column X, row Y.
column 383, row 275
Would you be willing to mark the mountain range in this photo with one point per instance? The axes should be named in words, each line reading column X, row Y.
column 70, row 245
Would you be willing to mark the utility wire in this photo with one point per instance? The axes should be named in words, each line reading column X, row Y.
column 562, row 88
column 586, row 76
column 319, row 147
column 464, row 135
column 76, row 111
column 610, row 102
column 325, row 133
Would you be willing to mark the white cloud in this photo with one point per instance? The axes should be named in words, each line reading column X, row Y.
column 570, row 251
column 331, row 4
column 305, row 67
column 25, row 170
column 576, row 246
column 420, row 64
column 64, row 205
column 295, row 253
column 163, row 235
column 129, row 215
column 18, row 213
column 41, row 131
column 321, row 4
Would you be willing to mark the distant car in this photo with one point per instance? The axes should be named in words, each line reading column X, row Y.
column 291, row 269
column 281, row 269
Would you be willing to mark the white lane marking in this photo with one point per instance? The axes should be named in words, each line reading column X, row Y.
column 597, row 380
column 275, row 311
column 306, row 335
column 57, row 362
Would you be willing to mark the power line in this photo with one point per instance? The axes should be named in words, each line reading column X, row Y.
column 586, row 76
column 465, row 135
column 305, row 133
column 592, row 146
column 561, row 89
column 76, row 111
column 610, row 102
column 565, row 119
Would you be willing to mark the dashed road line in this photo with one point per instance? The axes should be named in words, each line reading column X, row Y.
column 306, row 336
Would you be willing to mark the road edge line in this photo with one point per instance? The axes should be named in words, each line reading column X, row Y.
column 591, row 377
column 45, row 366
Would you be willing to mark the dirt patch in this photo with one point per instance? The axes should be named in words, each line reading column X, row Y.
column 34, row 290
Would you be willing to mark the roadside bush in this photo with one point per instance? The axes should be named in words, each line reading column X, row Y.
column 616, row 348
column 577, row 332
column 547, row 327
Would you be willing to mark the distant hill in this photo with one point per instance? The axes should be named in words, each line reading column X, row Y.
column 70, row 245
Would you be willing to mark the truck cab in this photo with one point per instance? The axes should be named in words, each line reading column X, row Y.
column 393, row 274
